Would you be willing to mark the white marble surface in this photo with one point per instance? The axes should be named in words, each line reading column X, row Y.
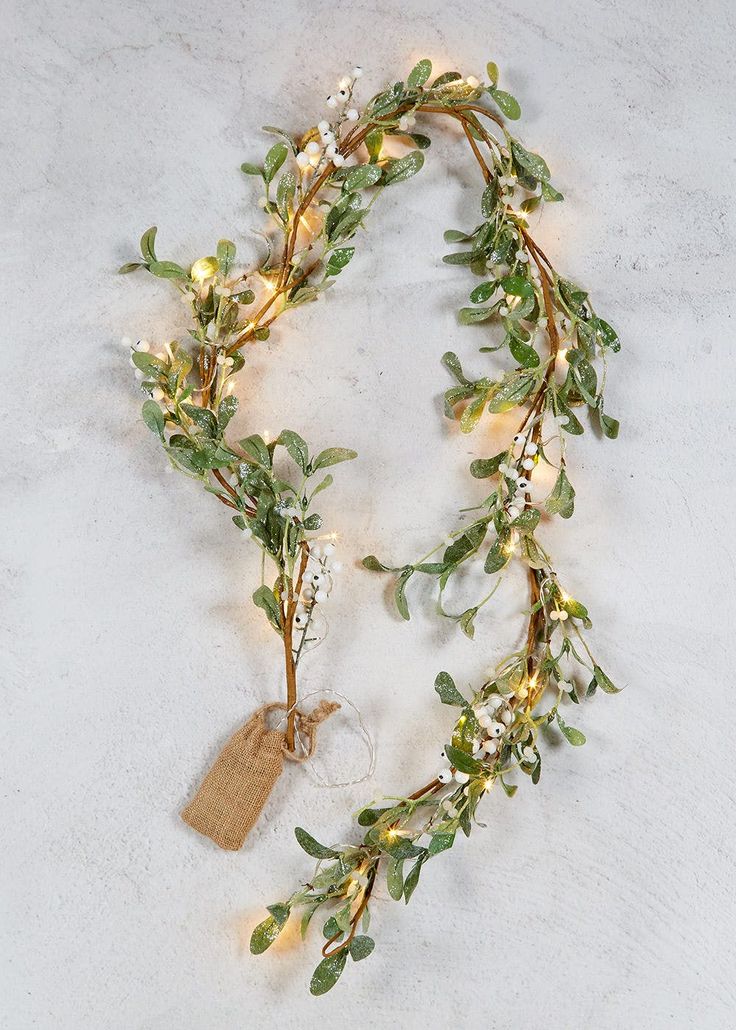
column 602, row 899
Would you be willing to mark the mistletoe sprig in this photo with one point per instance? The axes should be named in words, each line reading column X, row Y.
column 318, row 193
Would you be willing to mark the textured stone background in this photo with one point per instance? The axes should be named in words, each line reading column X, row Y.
column 603, row 898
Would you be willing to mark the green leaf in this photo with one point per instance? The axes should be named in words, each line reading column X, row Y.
column 453, row 366
column 256, row 449
column 483, row 292
column 154, row 418
column 400, row 593
column 456, row 236
column 512, row 391
column 607, row 335
column 609, row 426
column 527, row 521
column 225, row 255
column 462, row 257
column 469, row 316
column 130, row 266
column 202, row 417
column 312, row 847
column 264, row 598
column 472, row 413
column 274, row 159
column 250, row 169
column 404, row 168
column 535, row 165
column 285, row 193
column 604, row 682
column 331, row 929
column 575, row 608
column 517, row 286
column 467, row 622
column 266, row 932
column 584, row 375
column 374, row 142
column 562, row 499
column 462, row 761
column 372, row 563
column 228, row 407
column 573, row 736
column 395, row 878
column 572, row 425
column 448, row 692
column 440, row 842
column 496, row 559
column 492, row 70
column 167, row 270
column 328, row 973
column 507, row 104
column 338, row 259
column 361, row 177
column 148, row 240
column 332, row 456
column 482, row 468
column 445, row 78
column 370, row 816
column 525, row 355
column 419, row 74
column 296, row 447
column 412, row 879
column 361, row 947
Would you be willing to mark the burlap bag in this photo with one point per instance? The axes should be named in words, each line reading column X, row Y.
column 232, row 796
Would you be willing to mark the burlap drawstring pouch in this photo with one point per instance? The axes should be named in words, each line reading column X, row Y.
column 233, row 793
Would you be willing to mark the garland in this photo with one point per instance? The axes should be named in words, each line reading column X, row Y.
column 314, row 194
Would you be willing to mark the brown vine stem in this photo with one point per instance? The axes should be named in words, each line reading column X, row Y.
column 355, row 920
column 293, row 592
column 285, row 283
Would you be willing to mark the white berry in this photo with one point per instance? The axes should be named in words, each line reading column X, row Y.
column 461, row 777
column 321, row 596
column 496, row 729
column 352, row 115
column 531, row 448
column 338, row 160
column 528, row 464
column 143, row 346
column 444, row 775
